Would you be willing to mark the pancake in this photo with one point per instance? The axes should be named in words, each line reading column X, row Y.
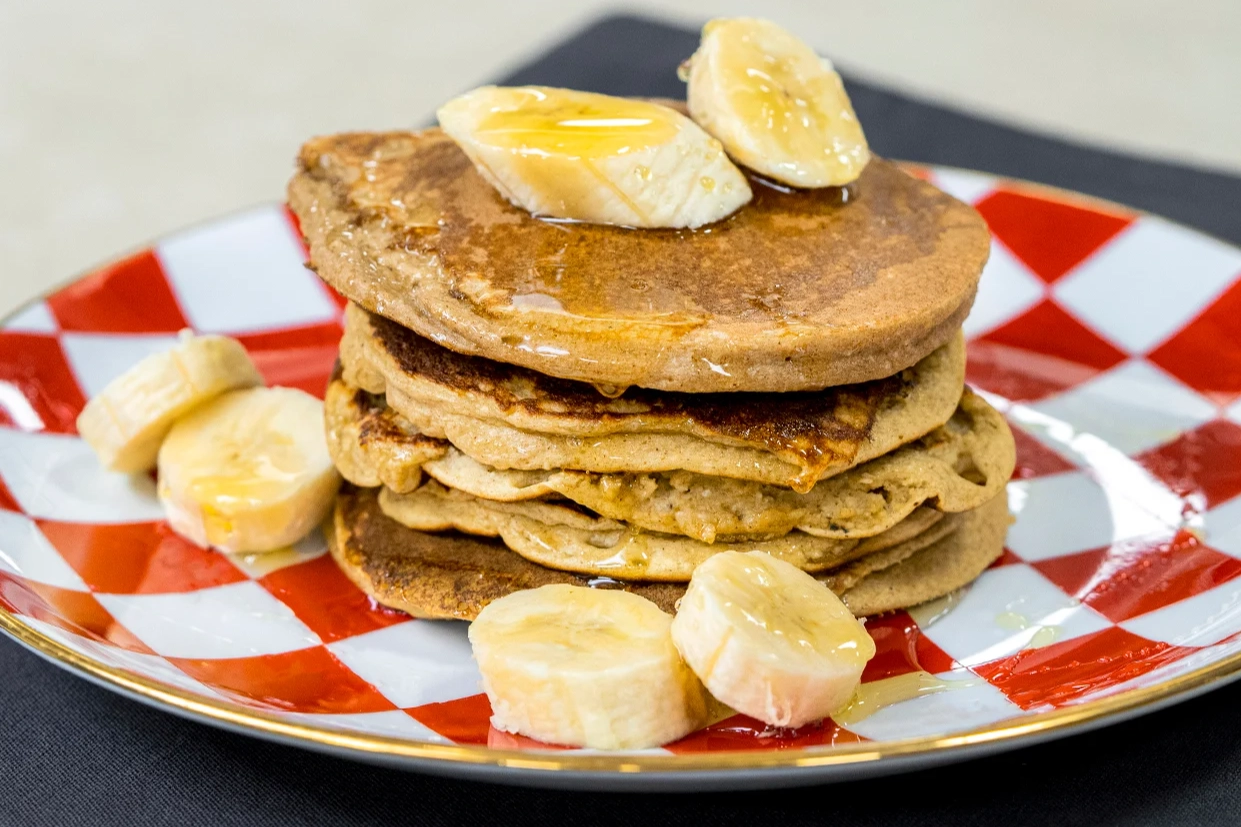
column 449, row 575
column 938, row 569
column 511, row 417
column 798, row 290
column 370, row 445
column 452, row 576
column 561, row 536
column 955, row 468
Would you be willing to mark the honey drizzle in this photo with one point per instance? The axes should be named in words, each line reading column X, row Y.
column 873, row 696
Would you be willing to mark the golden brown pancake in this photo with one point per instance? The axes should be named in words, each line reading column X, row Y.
column 370, row 445
column 453, row 576
column 955, row 468
column 561, row 536
column 512, row 417
column 798, row 290
column 938, row 569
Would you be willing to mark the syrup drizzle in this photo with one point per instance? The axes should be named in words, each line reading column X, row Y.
column 873, row 696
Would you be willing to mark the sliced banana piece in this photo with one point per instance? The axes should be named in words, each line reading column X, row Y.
column 769, row 640
column 126, row 422
column 595, row 158
column 248, row 471
column 585, row 667
column 777, row 107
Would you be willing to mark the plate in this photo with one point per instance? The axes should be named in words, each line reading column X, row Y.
column 1110, row 339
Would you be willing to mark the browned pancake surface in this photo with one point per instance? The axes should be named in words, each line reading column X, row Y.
column 451, row 576
column 796, row 290
column 441, row 575
column 812, row 429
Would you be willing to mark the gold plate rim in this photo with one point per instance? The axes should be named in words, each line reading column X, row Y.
column 1004, row 735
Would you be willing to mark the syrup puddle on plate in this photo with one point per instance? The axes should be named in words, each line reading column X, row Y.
column 1044, row 633
column 873, row 696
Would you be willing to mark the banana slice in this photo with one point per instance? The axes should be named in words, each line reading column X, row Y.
column 585, row 667
column 769, row 640
column 126, row 422
column 249, row 471
column 595, row 158
column 777, row 107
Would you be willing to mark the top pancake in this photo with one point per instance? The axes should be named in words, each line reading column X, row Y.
column 798, row 290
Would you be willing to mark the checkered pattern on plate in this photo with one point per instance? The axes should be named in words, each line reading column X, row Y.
column 1112, row 342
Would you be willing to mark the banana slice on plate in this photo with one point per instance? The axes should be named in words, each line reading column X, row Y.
column 127, row 421
column 769, row 640
column 249, row 471
column 777, row 107
column 585, row 667
column 595, row 158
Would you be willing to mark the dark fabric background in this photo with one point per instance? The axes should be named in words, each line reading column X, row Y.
column 73, row 754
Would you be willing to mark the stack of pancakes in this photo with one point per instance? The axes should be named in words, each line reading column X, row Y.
column 521, row 402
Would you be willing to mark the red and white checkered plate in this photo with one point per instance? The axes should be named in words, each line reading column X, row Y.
column 1111, row 340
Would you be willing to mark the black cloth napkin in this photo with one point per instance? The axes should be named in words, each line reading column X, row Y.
column 74, row 754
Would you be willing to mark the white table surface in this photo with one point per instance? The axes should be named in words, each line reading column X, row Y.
column 124, row 119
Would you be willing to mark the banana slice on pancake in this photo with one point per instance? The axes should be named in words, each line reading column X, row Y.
column 585, row 667
column 574, row 155
column 249, row 471
column 126, row 422
column 769, row 640
column 777, row 107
